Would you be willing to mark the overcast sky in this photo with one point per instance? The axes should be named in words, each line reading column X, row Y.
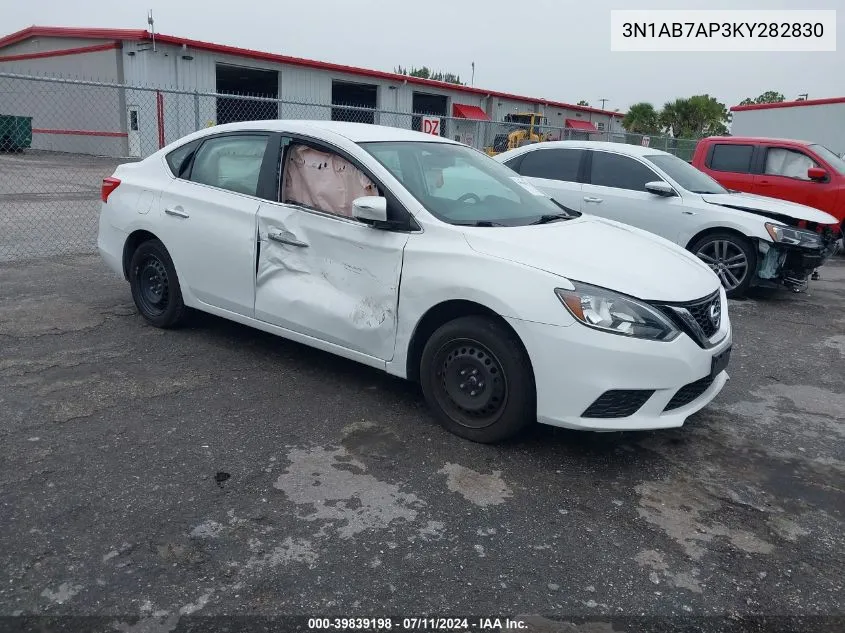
column 555, row 49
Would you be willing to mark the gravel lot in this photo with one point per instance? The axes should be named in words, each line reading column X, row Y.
column 149, row 475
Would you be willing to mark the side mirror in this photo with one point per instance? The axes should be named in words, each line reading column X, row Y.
column 816, row 173
column 660, row 188
column 372, row 209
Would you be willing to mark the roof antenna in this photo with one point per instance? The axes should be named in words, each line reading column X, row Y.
column 151, row 22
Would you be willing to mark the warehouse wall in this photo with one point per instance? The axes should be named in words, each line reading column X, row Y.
column 66, row 117
column 823, row 124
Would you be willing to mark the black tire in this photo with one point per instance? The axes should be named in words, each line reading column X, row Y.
column 494, row 403
column 709, row 247
column 155, row 286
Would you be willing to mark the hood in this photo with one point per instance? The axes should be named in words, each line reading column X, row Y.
column 773, row 208
column 602, row 253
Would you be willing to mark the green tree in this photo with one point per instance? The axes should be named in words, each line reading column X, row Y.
column 426, row 73
column 695, row 117
column 641, row 118
column 583, row 103
column 770, row 96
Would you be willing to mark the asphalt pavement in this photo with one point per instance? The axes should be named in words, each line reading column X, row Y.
column 149, row 475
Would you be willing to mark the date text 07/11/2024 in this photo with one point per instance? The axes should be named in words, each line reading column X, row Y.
column 415, row 624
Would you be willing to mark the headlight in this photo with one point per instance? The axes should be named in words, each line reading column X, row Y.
column 796, row 237
column 615, row 313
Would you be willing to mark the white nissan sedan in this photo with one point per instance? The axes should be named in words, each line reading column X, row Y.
column 426, row 259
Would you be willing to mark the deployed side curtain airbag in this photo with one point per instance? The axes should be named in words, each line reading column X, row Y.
column 324, row 181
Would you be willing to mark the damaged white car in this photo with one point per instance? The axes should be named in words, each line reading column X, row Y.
column 747, row 240
column 428, row 260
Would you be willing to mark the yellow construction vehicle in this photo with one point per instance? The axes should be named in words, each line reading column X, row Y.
column 528, row 131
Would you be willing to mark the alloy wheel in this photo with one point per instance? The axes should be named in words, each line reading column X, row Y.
column 727, row 260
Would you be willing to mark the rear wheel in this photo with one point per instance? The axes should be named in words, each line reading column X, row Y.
column 477, row 378
column 731, row 257
column 155, row 286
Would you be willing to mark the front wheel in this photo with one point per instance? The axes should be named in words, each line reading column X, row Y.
column 731, row 257
column 155, row 286
column 477, row 379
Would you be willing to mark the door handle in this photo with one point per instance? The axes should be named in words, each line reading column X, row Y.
column 763, row 182
column 178, row 212
column 688, row 212
column 592, row 199
column 285, row 238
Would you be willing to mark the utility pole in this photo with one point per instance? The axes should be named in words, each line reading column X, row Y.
column 603, row 101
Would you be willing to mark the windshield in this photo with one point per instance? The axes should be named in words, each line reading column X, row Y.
column 687, row 176
column 830, row 158
column 460, row 185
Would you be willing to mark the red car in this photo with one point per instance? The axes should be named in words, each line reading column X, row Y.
column 798, row 171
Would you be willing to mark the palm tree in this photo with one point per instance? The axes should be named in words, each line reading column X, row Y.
column 641, row 118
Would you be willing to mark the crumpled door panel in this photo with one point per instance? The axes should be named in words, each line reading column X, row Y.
column 335, row 280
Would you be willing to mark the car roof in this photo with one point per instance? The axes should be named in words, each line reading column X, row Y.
column 355, row 132
column 622, row 148
column 756, row 139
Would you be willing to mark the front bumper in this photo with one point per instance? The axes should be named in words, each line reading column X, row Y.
column 574, row 366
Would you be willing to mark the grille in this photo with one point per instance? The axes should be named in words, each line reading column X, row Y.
column 618, row 403
column 701, row 313
column 688, row 393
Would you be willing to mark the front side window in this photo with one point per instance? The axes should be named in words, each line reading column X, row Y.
column 789, row 163
column 620, row 172
column 730, row 157
column 687, row 176
column 322, row 180
column 460, row 185
column 230, row 162
column 553, row 164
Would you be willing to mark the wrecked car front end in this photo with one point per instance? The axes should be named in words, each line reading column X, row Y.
column 796, row 252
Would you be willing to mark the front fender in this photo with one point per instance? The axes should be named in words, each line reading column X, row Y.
column 509, row 289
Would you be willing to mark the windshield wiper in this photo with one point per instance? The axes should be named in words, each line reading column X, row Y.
column 479, row 223
column 551, row 217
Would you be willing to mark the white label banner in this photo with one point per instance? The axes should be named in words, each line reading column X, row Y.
column 723, row 30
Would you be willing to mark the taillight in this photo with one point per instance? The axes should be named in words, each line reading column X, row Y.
column 109, row 185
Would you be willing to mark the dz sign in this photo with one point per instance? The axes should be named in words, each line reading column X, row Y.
column 431, row 125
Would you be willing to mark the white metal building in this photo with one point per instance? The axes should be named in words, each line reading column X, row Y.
column 820, row 121
column 183, row 75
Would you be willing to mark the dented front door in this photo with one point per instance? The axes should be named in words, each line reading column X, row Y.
column 332, row 278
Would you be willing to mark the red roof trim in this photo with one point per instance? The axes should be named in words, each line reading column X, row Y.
column 787, row 104
column 466, row 111
column 138, row 35
column 60, row 53
column 576, row 124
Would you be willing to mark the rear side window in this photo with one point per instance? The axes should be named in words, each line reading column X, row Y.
column 789, row 163
column 554, row 164
column 179, row 159
column 621, row 172
column 230, row 162
column 735, row 158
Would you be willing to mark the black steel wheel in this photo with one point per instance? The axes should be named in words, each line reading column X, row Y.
column 477, row 378
column 731, row 257
column 155, row 286
column 470, row 382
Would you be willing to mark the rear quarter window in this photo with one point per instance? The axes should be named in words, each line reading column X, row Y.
column 180, row 158
column 731, row 157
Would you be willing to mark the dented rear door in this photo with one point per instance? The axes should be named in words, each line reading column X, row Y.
column 328, row 277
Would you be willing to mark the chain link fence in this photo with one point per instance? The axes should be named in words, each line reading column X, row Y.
column 60, row 137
